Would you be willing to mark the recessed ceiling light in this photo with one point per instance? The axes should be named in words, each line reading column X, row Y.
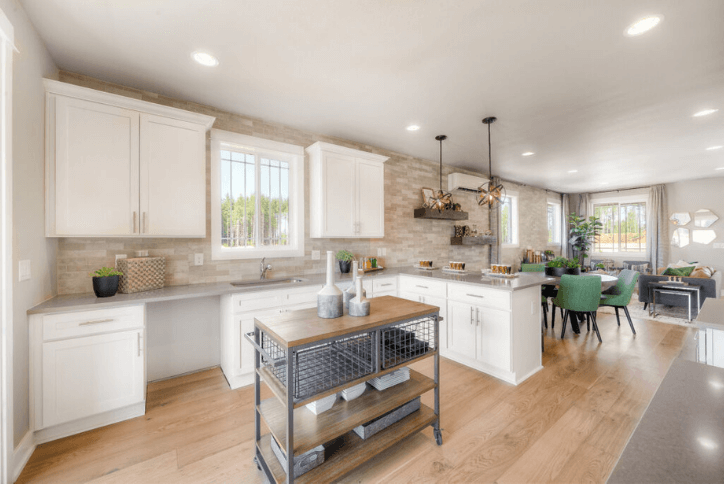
column 413, row 127
column 572, row 171
column 528, row 153
column 712, row 148
column 644, row 25
column 205, row 59
column 705, row 112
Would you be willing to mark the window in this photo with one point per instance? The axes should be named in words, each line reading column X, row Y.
column 257, row 197
column 624, row 227
column 509, row 221
column 554, row 223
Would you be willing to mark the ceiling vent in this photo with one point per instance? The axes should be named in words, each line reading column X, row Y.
column 463, row 182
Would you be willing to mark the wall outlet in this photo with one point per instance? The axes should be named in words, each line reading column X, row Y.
column 384, row 252
column 379, row 252
column 199, row 259
column 23, row 270
column 316, row 255
column 142, row 253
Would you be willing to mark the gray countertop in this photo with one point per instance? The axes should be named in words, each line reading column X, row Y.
column 711, row 314
column 680, row 438
column 75, row 302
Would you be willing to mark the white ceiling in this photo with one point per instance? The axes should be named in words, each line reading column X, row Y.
column 560, row 75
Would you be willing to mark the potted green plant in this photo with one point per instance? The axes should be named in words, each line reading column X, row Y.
column 105, row 281
column 550, row 255
column 345, row 259
column 556, row 267
column 583, row 232
column 573, row 267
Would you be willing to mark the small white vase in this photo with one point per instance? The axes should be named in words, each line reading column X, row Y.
column 351, row 291
column 359, row 305
column 329, row 299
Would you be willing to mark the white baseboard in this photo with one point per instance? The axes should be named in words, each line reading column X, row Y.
column 22, row 454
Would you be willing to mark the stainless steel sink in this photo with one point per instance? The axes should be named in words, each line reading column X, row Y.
column 267, row 282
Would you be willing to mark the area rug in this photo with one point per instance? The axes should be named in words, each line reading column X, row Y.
column 664, row 314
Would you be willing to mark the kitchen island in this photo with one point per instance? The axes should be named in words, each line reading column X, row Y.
column 303, row 358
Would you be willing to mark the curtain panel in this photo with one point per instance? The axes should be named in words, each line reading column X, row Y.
column 566, row 249
column 657, row 230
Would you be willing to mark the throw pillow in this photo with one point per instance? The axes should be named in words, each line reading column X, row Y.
column 679, row 271
column 700, row 274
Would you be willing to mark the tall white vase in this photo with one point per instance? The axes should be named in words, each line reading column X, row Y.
column 351, row 291
column 329, row 299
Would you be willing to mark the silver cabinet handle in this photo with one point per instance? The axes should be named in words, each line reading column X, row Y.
column 98, row 321
column 144, row 229
column 134, row 221
column 476, row 295
column 477, row 316
column 387, row 284
column 424, row 287
column 471, row 315
column 139, row 343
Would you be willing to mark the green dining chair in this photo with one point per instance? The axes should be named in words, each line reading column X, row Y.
column 580, row 295
column 620, row 295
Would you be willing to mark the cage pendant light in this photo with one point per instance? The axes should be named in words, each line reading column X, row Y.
column 441, row 200
column 490, row 194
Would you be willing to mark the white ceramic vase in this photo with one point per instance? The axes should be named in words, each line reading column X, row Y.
column 329, row 299
column 351, row 291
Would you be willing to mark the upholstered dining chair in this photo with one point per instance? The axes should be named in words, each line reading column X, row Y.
column 581, row 295
column 619, row 296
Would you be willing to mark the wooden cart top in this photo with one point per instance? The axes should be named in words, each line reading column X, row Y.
column 296, row 328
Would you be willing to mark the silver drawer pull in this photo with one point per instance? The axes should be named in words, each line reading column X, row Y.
column 475, row 295
column 388, row 284
column 98, row 321
column 424, row 287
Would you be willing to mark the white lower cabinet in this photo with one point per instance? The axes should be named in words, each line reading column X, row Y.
column 87, row 369
column 494, row 337
column 463, row 332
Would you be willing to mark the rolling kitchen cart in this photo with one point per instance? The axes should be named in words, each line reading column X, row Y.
column 303, row 358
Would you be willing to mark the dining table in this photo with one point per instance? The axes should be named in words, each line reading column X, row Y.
column 607, row 282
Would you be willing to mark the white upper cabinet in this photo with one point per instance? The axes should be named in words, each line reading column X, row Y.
column 117, row 166
column 347, row 192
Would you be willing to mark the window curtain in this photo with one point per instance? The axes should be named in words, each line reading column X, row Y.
column 566, row 250
column 657, row 227
column 494, row 225
column 582, row 208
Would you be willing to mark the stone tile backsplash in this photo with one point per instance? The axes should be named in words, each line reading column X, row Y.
column 406, row 239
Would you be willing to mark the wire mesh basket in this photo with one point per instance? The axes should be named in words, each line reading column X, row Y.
column 319, row 368
column 406, row 341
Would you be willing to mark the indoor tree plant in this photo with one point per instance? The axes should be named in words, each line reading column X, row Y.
column 583, row 232
column 345, row 259
column 105, row 281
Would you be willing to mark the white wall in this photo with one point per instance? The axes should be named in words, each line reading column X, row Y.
column 30, row 65
column 690, row 196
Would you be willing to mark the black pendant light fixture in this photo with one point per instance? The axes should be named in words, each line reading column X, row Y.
column 488, row 193
column 441, row 200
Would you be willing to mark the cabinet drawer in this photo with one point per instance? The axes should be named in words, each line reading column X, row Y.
column 424, row 286
column 306, row 296
column 384, row 285
column 252, row 301
column 384, row 293
column 84, row 323
column 480, row 296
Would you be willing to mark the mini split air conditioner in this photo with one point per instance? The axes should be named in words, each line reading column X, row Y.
column 463, row 182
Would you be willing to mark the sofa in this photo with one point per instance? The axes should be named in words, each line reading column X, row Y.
column 710, row 287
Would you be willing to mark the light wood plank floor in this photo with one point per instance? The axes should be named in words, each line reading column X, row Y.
column 568, row 423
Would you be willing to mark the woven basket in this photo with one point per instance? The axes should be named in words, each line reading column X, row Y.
column 141, row 274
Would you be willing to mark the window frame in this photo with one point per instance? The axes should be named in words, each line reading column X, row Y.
column 514, row 223
column 639, row 196
column 558, row 230
column 294, row 155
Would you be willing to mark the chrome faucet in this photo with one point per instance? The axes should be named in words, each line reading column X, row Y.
column 264, row 268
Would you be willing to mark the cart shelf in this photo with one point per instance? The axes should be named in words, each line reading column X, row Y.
column 354, row 451
column 310, row 429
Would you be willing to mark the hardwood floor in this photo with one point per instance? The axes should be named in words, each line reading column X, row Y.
column 568, row 423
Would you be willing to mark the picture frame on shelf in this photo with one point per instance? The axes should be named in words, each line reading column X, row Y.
column 427, row 194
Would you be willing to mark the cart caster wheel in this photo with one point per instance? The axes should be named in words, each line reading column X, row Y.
column 438, row 437
column 256, row 461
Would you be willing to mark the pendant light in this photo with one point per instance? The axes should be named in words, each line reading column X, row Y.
column 489, row 194
column 441, row 200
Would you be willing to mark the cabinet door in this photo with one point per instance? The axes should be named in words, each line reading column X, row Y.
column 410, row 296
column 96, row 169
column 173, row 177
column 91, row 375
column 245, row 324
column 442, row 304
column 494, row 337
column 370, row 199
column 462, row 330
column 339, row 195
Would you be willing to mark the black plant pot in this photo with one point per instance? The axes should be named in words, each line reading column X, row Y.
column 574, row 272
column 105, row 286
column 344, row 266
column 555, row 271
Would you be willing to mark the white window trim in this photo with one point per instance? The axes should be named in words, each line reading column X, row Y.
column 633, row 196
column 515, row 222
column 282, row 151
column 555, row 201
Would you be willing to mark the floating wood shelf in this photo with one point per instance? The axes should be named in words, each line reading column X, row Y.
column 310, row 430
column 430, row 213
column 353, row 451
column 485, row 240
